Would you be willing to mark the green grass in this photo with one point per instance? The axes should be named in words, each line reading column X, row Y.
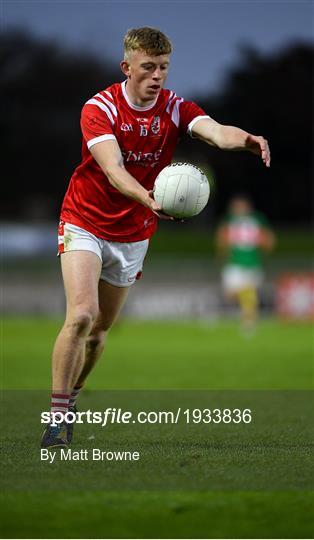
column 171, row 355
column 158, row 356
column 158, row 515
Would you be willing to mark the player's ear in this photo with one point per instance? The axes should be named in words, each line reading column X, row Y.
column 125, row 68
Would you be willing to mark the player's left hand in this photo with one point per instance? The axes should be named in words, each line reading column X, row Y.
column 259, row 146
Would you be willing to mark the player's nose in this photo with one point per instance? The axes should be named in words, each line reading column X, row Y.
column 157, row 74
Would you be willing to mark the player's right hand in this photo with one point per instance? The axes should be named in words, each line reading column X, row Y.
column 156, row 208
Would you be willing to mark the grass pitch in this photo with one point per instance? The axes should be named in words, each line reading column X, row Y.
column 187, row 355
column 158, row 356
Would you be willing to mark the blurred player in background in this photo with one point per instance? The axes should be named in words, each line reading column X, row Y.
column 130, row 131
column 242, row 237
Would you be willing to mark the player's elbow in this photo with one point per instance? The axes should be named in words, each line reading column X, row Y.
column 112, row 171
column 271, row 242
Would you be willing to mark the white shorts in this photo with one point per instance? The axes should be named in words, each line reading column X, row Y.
column 235, row 278
column 122, row 262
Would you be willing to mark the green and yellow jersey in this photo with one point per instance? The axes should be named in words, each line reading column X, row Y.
column 243, row 237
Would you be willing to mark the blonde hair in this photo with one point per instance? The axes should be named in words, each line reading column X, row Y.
column 147, row 39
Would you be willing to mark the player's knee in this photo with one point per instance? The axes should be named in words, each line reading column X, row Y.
column 105, row 323
column 81, row 322
column 95, row 341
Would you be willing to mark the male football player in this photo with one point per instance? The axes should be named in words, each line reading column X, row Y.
column 130, row 131
column 242, row 237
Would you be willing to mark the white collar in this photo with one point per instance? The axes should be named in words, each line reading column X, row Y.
column 132, row 105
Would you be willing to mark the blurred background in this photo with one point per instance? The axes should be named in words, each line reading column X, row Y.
column 246, row 64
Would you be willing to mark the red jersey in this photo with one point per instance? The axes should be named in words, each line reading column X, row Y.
column 147, row 137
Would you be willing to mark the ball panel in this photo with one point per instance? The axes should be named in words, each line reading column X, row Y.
column 169, row 202
column 181, row 199
column 160, row 188
column 191, row 196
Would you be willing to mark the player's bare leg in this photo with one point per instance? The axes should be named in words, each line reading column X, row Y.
column 111, row 301
column 81, row 272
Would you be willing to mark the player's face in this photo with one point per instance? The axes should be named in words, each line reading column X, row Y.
column 146, row 74
column 240, row 206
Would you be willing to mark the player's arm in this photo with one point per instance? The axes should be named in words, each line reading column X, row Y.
column 231, row 138
column 267, row 239
column 221, row 239
column 109, row 158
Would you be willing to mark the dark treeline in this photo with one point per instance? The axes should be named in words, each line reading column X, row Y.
column 270, row 96
column 44, row 87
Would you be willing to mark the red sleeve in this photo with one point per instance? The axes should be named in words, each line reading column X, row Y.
column 96, row 125
column 190, row 113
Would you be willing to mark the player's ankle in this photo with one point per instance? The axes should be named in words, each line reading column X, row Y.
column 74, row 394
